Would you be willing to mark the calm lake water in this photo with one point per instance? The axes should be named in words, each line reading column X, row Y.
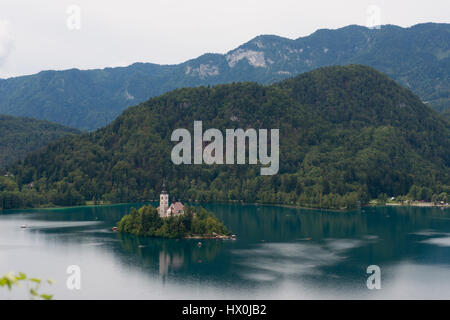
column 280, row 253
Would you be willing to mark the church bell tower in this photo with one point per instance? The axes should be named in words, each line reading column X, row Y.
column 163, row 202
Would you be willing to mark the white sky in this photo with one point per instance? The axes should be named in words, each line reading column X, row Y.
column 34, row 35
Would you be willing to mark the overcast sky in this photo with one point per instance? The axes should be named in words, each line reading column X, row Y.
column 39, row 35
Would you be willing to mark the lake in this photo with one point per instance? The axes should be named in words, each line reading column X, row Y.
column 280, row 253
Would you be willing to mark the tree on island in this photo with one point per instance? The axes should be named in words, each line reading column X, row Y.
column 196, row 221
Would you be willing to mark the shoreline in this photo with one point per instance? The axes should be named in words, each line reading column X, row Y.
column 416, row 204
column 209, row 237
column 194, row 203
column 74, row 207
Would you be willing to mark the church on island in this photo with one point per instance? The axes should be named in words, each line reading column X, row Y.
column 164, row 210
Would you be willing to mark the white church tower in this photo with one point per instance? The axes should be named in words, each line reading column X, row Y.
column 163, row 202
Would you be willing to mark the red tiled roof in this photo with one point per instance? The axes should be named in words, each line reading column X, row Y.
column 177, row 206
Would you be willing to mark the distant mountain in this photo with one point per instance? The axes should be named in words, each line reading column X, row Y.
column 347, row 134
column 417, row 57
column 20, row 136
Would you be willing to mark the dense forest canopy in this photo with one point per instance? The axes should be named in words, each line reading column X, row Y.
column 19, row 136
column 347, row 135
column 417, row 57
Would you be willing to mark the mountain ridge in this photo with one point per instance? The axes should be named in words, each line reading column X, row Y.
column 417, row 57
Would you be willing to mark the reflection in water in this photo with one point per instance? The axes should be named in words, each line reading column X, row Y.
column 277, row 260
column 279, row 253
column 439, row 241
column 170, row 255
column 166, row 260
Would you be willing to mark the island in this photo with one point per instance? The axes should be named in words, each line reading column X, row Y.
column 174, row 221
column 196, row 222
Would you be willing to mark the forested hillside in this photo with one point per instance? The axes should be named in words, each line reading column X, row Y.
column 417, row 57
column 347, row 135
column 20, row 136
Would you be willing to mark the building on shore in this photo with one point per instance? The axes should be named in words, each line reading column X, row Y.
column 165, row 210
